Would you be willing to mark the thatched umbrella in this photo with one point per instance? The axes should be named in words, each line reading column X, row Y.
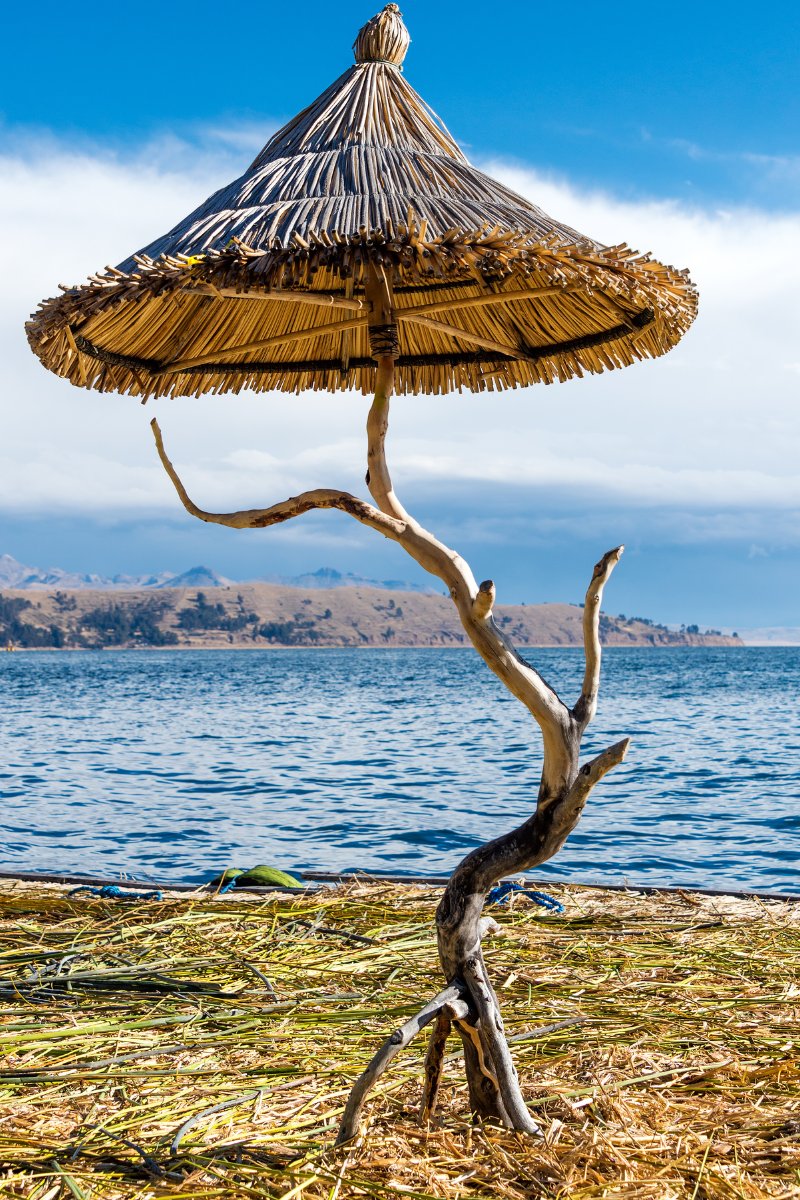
column 362, row 250
column 364, row 199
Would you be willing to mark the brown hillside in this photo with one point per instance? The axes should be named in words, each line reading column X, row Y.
column 264, row 614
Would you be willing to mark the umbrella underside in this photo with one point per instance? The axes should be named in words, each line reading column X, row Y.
column 476, row 309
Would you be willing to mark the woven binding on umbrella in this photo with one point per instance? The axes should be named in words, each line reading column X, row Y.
column 271, row 282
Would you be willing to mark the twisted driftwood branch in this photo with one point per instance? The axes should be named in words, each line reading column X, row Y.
column 469, row 1002
column 260, row 518
column 393, row 1044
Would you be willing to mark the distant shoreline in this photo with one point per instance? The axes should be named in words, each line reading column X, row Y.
column 273, row 616
column 730, row 645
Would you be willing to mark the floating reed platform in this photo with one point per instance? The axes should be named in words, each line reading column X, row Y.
column 204, row 1047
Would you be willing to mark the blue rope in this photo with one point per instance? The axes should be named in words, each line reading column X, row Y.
column 227, row 887
column 112, row 892
column 499, row 895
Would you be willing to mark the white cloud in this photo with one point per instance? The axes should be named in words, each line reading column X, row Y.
column 713, row 426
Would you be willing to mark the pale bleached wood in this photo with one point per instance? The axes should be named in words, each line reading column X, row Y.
column 484, row 601
column 531, row 293
column 465, row 335
column 261, row 518
column 281, row 339
column 346, row 337
column 587, row 704
column 377, row 478
column 315, row 299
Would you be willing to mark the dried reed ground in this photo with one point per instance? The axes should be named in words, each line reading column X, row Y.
column 683, row 1081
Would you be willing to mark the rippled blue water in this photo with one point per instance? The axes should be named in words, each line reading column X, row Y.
column 174, row 763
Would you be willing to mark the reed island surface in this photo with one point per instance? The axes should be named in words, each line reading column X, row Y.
column 204, row 1046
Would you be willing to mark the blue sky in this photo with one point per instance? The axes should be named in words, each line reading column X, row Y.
column 698, row 100
column 676, row 131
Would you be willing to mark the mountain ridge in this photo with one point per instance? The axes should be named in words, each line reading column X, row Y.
column 328, row 577
column 19, row 576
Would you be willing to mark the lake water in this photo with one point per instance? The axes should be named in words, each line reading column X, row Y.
column 177, row 763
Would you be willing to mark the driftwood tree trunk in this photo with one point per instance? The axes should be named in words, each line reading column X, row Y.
column 469, row 1001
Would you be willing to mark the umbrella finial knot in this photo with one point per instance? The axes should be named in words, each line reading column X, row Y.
column 384, row 39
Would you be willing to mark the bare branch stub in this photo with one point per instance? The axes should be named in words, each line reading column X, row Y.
column 586, row 707
column 564, row 788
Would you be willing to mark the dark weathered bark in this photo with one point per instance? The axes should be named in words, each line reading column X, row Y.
column 434, row 1061
column 455, row 1010
column 564, row 789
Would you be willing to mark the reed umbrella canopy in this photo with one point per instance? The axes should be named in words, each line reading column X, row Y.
column 359, row 232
